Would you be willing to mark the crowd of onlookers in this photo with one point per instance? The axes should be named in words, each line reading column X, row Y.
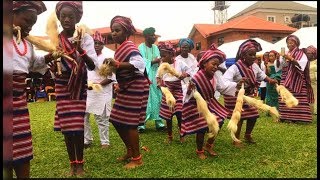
column 39, row 89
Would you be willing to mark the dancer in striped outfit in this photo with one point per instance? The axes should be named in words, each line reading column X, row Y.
column 174, row 85
column 129, row 109
column 295, row 77
column 245, row 70
column 24, row 60
column 311, row 53
column 70, row 86
column 205, row 81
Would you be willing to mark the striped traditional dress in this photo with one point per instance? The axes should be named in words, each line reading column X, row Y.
column 7, row 100
column 175, row 88
column 70, row 113
column 22, row 64
column 131, row 101
column 70, row 87
column 295, row 81
column 7, row 118
column 235, row 73
column 22, row 141
column 192, row 121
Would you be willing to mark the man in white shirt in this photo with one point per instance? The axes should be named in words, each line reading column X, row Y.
column 263, row 85
column 99, row 103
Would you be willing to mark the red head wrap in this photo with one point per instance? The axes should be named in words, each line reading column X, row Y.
column 213, row 52
column 76, row 5
column 125, row 22
column 38, row 6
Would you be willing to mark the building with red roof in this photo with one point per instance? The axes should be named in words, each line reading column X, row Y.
column 282, row 12
column 243, row 27
column 137, row 38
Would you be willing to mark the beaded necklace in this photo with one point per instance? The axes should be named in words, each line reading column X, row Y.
column 17, row 49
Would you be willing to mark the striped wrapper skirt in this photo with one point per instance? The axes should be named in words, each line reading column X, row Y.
column 130, row 105
column 175, row 88
column 192, row 121
column 7, row 118
column 69, row 117
column 302, row 112
column 249, row 112
column 22, row 138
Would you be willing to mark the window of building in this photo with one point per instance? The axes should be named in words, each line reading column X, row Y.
column 315, row 24
column 198, row 45
column 220, row 41
column 287, row 19
column 271, row 18
column 275, row 39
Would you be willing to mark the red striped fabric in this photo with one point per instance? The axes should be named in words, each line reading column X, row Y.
column 302, row 112
column 248, row 111
column 297, row 78
column 22, row 138
column 207, row 91
column 124, row 51
column 7, row 117
column 70, row 113
column 76, row 6
column 230, row 101
column 192, row 120
column 210, row 53
column 294, row 83
column 97, row 37
column 247, row 72
column 123, row 54
column 39, row 6
column 131, row 103
column 78, row 77
column 175, row 88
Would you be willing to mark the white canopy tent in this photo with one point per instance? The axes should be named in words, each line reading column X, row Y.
column 231, row 48
column 307, row 37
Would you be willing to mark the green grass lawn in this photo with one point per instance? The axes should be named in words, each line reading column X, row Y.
column 283, row 150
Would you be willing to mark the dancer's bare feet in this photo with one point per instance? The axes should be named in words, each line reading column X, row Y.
column 237, row 144
column 73, row 169
column 135, row 162
column 169, row 140
column 79, row 169
column 201, row 154
column 209, row 149
column 125, row 157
